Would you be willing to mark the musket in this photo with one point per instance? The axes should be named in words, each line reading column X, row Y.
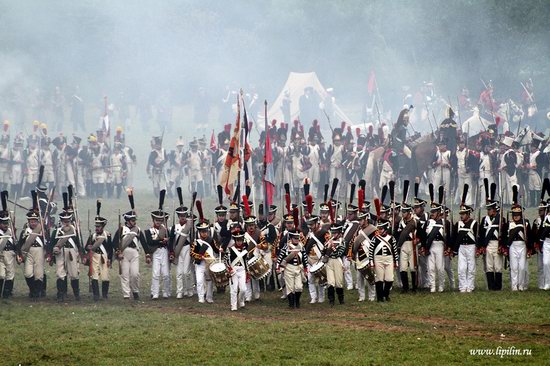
column 90, row 256
column 328, row 119
column 119, row 241
column 15, row 204
column 76, row 215
column 458, row 112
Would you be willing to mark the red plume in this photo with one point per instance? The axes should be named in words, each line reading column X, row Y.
column 246, row 206
column 309, row 204
column 295, row 216
column 343, row 125
column 357, row 131
column 199, row 210
column 360, row 199
column 287, row 200
column 378, row 206
column 497, row 120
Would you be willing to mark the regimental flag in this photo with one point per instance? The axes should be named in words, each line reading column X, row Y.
column 213, row 146
column 232, row 164
column 269, row 175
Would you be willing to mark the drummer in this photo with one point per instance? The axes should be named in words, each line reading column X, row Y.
column 293, row 257
column 203, row 252
column 235, row 258
column 315, row 242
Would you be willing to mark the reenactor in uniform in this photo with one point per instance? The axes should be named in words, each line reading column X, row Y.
column 17, row 162
column 407, row 234
column 491, row 239
column 31, row 163
column 8, row 250
column 100, row 255
column 437, row 239
column 206, row 166
column 362, row 244
column 383, row 256
column 126, row 243
column 195, row 168
column 159, row 251
column 98, row 161
column 32, row 249
column 177, row 162
column 518, row 244
column 508, row 163
column 315, row 244
column 422, row 217
column 533, row 165
column 118, row 171
column 181, row 236
column 256, row 245
column 333, row 252
column 60, row 161
column 466, row 242
column 65, row 248
column 203, row 251
column 293, row 257
column 155, row 164
column 237, row 265
column 46, row 159
column 543, row 238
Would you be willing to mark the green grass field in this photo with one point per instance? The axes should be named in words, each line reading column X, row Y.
column 411, row 329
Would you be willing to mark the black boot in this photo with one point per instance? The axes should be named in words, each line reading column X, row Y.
column 340, row 293
column 38, row 289
column 75, row 284
column 105, row 289
column 95, row 289
column 8, row 291
column 404, row 282
column 379, row 291
column 330, row 295
column 290, row 298
column 387, row 287
column 3, row 288
column 413, row 280
column 30, row 284
column 498, row 281
column 136, row 295
column 44, row 283
column 60, row 284
column 490, row 280
column 297, row 299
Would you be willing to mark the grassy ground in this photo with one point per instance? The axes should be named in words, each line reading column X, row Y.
column 412, row 329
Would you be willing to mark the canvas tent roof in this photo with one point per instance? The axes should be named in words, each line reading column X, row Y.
column 475, row 124
column 295, row 85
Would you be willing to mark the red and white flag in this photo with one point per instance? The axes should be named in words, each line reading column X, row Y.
column 232, row 164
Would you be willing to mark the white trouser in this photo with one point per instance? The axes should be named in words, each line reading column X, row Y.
column 184, row 275
column 493, row 259
column 450, row 271
column 423, row 269
column 464, row 178
column 436, row 266
column 205, row 286
column 546, row 263
column 7, row 265
column 348, row 278
column 518, row 257
column 66, row 263
column 540, row 269
column 34, row 263
column 129, row 279
column 252, row 288
column 361, row 283
column 161, row 269
column 316, row 292
column 466, row 267
column 238, row 287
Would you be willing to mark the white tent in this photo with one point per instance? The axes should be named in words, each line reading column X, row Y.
column 294, row 89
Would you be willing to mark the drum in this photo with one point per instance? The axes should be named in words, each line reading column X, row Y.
column 319, row 271
column 366, row 271
column 258, row 267
column 218, row 272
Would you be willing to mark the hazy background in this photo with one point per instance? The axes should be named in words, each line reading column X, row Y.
column 141, row 51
